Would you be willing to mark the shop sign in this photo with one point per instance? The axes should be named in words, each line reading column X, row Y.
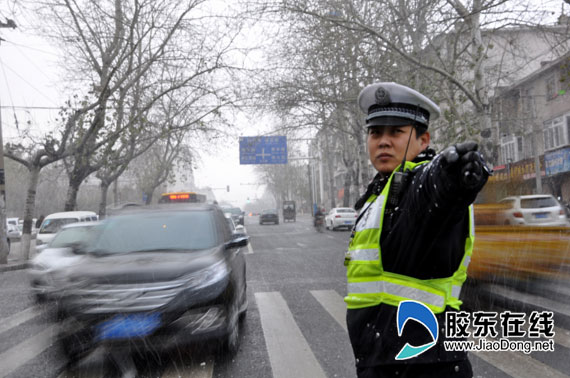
column 523, row 169
column 557, row 161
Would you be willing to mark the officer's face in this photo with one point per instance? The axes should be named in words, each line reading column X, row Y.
column 387, row 145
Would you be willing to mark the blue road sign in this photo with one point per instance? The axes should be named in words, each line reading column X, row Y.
column 263, row 150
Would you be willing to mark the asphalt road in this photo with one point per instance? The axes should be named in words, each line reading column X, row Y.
column 294, row 326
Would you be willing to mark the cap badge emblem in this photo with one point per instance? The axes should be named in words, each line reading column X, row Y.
column 382, row 96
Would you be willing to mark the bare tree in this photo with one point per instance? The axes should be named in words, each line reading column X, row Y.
column 441, row 43
column 157, row 165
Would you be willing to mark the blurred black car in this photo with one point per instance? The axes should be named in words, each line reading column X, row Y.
column 156, row 278
column 236, row 214
column 269, row 216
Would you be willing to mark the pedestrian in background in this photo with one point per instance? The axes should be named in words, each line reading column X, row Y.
column 413, row 237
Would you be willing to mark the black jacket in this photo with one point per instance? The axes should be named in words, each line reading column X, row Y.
column 422, row 237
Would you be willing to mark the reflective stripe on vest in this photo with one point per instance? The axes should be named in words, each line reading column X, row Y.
column 369, row 285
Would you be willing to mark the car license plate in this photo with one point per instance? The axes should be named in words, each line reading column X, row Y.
column 126, row 326
column 541, row 215
column 347, row 222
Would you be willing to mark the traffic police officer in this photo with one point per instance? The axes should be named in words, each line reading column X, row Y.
column 413, row 238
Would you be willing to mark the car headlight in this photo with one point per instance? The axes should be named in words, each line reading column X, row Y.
column 207, row 276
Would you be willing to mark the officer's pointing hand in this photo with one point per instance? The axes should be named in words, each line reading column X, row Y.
column 465, row 162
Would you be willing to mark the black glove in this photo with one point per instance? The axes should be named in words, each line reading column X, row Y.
column 464, row 162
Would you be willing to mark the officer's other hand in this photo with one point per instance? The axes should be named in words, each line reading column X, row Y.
column 466, row 163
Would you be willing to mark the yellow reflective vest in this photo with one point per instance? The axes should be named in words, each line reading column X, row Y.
column 370, row 285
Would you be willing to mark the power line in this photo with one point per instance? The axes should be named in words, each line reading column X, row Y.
column 25, row 81
column 31, row 48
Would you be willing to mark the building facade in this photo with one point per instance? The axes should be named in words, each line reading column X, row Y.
column 532, row 121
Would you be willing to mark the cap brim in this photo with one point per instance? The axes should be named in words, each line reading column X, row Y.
column 389, row 121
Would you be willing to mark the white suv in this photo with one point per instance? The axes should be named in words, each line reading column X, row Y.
column 53, row 222
column 533, row 210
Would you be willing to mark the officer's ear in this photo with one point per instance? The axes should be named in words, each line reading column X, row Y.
column 423, row 137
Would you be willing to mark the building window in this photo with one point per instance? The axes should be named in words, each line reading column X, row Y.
column 530, row 146
column 508, row 154
column 554, row 134
column 520, row 146
column 527, row 102
column 550, row 88
column 568, row 129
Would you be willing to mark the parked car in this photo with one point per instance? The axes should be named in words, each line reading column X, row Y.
column 156, row 278
column 13, row 232
column 233, row 227
column 45, row 267
column 536, row 209
column 53, row 223
column 269, row 216
column 236, row 214
column 340, row 217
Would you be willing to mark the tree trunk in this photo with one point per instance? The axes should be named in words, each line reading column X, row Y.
column 347, row 185
column 29, row 213
column 363, row 160
column 72, row 190
column 330, row 171
column 4, row 250
column 103, row 202
column 116, row 192
column 148, row 194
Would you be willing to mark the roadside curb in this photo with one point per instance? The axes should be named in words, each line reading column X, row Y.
column 14, row 266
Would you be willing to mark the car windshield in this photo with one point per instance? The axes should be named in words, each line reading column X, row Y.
column 272, row 211
column 537, row 203
column 71, row 235
column 188, row 230
column 345, row 211
column 52, row 226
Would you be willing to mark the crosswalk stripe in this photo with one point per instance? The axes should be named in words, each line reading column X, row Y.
column 546, row 303
column 249, row 249
column 18, row 355
column 289, row 353
column 562, row 337
column 194, row 370
column 334, row 304
column 18, row 318
column 518, row 365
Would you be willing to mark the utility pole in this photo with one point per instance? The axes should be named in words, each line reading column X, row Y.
column 4, row 248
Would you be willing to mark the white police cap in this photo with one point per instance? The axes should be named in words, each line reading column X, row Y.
column 392, row 104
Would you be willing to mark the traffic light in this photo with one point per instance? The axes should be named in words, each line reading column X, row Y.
column 228, row 188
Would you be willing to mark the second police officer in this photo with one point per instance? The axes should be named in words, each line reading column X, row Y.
column 413, row 238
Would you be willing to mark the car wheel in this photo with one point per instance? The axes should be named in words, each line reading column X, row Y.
column 244, row 303
column 231, row 343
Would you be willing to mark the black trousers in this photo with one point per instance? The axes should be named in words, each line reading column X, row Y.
column 454, row 369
